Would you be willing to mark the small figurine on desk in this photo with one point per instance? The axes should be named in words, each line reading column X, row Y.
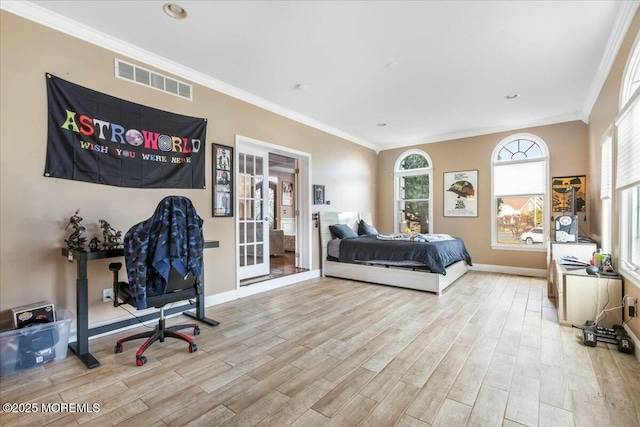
column 75, row 241
column 111, row 236
column 93, row 244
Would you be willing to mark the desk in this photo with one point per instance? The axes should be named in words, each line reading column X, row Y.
column 81, row 346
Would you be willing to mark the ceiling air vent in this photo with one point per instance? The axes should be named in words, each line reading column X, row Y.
column 142, row 76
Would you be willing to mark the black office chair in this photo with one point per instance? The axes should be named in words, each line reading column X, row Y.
column 163, row 255
column 178, row 289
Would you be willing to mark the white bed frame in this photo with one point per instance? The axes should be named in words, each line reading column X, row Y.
column 383, row 275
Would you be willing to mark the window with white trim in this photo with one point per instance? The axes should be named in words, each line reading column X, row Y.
column 628, row 184
column 519, row 170
column 413, row 193
column 606, row 185
column 631, row 76
column 627, row 170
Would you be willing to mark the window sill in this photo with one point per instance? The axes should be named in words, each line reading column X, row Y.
column 631, row 277
column 537, row 247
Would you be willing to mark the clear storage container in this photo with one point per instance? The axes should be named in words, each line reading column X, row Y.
column 35, row 345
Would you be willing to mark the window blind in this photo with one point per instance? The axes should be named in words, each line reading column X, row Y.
column 628, row 139
column 519, row 179
column 605, row 167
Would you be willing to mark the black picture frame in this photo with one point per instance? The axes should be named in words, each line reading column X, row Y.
column 318, row 194
column 222, row 176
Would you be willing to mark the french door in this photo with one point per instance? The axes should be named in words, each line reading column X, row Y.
column 253, row 212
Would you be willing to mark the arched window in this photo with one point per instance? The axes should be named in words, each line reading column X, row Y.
column 627, row 179
column 631, row 76
column 519, row 192
column 413, row 193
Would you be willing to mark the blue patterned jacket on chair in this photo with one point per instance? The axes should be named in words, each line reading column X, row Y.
column 171, row 237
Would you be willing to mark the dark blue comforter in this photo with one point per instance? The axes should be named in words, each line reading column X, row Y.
column 435, row 255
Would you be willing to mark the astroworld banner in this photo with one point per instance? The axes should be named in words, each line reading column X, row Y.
column 98, row 138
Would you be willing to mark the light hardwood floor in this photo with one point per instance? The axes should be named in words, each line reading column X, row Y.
column 488, row 352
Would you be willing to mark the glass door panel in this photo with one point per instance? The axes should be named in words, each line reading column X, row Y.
column 253, row 185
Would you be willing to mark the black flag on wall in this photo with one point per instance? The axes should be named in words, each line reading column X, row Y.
column 98, row 138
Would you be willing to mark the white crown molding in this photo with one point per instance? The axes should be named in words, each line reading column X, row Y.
column 620, row 28
column 485, row 131
column 32, row 12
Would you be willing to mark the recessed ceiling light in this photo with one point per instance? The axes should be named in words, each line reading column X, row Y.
column 174, row 11
column 381, row 125
column 301, row 86
column 513, row 96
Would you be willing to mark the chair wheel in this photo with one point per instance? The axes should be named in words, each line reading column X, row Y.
column 141, row 360
column 118, row 348
column 193, row 347
column 196, row 330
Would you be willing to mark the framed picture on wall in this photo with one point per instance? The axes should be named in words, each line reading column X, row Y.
column 287, row 193
column 562, row 193
column 461, row 193
column 318, row 194
column 222, row 180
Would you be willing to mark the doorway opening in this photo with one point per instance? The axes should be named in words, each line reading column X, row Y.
column 279, row 266
column 274, row 204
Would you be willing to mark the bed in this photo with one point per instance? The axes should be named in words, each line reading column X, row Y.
column 429, row 269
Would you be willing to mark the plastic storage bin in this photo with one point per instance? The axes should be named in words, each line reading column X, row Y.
column 35, row 345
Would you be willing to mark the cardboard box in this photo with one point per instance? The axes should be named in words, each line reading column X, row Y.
column 39, row 312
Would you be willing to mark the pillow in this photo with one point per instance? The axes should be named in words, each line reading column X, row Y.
column 342, row 231
column 365, row 229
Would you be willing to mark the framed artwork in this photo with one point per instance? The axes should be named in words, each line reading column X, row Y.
column 222, row 180
column 561, row 193
column 461, row 193
column 287, row 193
column 318, row 194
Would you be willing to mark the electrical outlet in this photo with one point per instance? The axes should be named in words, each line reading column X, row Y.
column 107, row 295
column 632, row 305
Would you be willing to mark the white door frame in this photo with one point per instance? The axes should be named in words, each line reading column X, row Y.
column 303, row 217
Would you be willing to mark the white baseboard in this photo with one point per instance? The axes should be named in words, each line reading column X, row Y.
column 520, row 271
column 269, row 285
column 245, row 291
column 636, row 341
column 210, row 301
column 220, row 298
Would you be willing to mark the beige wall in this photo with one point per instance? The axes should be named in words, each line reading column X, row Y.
column 34, row 210
column 602, row 117
column 567, row 144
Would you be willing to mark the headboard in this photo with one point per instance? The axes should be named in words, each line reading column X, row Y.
column 352, row 219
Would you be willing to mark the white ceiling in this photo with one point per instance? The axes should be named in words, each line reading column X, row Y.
column 455, row 61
